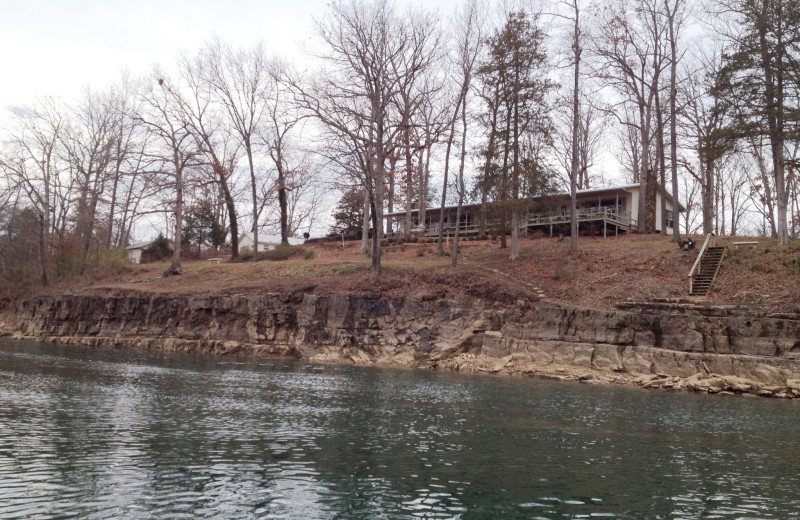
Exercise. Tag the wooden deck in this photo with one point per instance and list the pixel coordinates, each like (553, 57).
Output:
(618, 220)
(610, 219)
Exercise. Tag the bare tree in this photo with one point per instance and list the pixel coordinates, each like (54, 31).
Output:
(31, 162)
(422, 48)
(431, 126)
(706, 116)
(364, 66)
(305, 193)
(629, 62)
(243, 83)
(164, 117)
(469, 26)
(575, 137)
(89, 143)
(675, 12)
(217, 137)
(129, 167)
(280, 120)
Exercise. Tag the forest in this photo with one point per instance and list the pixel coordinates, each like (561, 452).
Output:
(408, 109)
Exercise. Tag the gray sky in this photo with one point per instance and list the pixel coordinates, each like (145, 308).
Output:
(56, 47)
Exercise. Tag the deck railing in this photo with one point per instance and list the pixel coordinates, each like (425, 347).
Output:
(584, 214)
(612, 215)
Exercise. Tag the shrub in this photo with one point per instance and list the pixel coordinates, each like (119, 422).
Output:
(309, 253)
(280, 253)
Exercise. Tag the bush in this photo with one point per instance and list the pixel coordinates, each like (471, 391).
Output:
(309, 253)
(280, 253)
(95, 263)
(158, 250)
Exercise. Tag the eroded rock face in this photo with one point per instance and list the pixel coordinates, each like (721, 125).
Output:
(642, 346)
(360, 329)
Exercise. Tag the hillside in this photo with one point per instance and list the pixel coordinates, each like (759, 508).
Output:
(603, 273)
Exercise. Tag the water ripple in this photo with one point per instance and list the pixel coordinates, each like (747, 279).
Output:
(96, 434)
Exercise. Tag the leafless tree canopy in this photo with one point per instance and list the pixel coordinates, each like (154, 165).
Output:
(405, 108)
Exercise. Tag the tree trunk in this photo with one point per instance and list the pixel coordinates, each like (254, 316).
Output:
(409, 184)
(774, 96)
(504, 180)
(113, 203)
(283, 206)
(365, 225)
(175, 266)
(233, 221)
(392, 170)
(423, 183)
(576, 110)
(43, 240)
(673, 127)
(249, 151)
(439, 249)
(488, 165)
(377, 232)
(462, 160)
(662, 165)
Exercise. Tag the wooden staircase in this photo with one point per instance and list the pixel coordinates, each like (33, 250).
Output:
(705, 268)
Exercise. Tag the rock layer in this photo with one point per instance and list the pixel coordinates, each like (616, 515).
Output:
(693, 348)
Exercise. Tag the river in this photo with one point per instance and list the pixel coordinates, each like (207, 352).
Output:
(88, 433)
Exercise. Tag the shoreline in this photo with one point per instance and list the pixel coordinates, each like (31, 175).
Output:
(641, 348)
(469, 364)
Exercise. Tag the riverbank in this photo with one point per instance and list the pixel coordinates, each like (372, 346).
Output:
(604, 273)
(669, 344)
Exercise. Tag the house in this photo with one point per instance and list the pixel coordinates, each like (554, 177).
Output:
(265, 242)
(146, 252)
(600, 210)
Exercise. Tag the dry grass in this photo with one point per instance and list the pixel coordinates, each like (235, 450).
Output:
(602, 273)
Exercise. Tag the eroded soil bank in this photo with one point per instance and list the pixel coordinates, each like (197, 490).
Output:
(670, 345)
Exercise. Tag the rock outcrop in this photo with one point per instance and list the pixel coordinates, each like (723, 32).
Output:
(691, 348)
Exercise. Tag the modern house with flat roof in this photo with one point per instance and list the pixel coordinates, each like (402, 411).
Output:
(604, 211)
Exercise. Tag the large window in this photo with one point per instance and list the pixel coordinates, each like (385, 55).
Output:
(670, 219)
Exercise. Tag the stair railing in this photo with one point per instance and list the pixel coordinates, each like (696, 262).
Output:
(708, 242)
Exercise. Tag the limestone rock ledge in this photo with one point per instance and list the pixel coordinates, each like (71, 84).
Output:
(715, 353)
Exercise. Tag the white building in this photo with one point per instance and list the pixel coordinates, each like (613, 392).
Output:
(135, 253)
(265, 242)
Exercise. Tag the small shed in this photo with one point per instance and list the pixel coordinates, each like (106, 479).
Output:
(265, 242)
(149, 251)
(135, 252)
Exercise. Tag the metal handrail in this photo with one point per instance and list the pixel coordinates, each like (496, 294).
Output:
(706, 243)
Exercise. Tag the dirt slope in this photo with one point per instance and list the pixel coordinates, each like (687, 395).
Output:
(602, 273)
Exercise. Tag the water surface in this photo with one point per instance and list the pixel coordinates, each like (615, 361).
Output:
(106, 434)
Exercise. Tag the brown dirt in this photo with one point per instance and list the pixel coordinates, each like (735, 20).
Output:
(602, 273)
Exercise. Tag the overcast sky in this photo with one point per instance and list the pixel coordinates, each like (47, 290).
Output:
(57, 47)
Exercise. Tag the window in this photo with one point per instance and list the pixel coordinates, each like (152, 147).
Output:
(670, 219)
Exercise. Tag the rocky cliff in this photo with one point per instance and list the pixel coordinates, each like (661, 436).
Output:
(674, 346)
